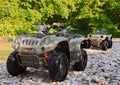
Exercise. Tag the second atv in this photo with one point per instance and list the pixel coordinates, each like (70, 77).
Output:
(99, 39)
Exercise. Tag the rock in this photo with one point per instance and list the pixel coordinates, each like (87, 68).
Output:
(106, 75)
(119, 83)
(86, 79)
(67, 81)
(101, 83)
(35, 79)
(44, 83)
(74, 83)
(96, 80)
(117, 78)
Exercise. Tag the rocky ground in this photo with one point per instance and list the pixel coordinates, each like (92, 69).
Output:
(103, 68)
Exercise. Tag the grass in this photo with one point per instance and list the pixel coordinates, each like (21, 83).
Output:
(5, 49)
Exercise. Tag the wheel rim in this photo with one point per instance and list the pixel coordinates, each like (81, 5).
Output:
(106, 45)
(62, 64)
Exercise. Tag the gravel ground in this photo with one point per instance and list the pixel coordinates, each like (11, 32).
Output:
(103, 68)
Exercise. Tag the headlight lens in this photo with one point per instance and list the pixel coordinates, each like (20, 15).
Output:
(17, 40)
(101, 36)
(47, 40)
(90, 35)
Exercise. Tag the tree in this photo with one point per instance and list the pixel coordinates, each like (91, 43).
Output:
(18, 16)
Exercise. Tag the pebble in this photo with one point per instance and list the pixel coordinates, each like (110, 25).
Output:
(103, 68)
(96, 80)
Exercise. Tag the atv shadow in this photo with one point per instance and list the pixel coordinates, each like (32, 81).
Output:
(36, 75)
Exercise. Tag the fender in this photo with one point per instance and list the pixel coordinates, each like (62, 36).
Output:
(75, 49)
(55, 41)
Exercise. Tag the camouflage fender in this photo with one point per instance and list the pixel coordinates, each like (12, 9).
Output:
(75, 48)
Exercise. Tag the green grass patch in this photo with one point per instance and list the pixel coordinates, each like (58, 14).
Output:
(5, 50)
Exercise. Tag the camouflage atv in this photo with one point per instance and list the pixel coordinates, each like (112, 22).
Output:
(99, 39)
(54, 52)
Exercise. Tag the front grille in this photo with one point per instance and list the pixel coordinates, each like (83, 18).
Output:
(94, 40)
(30, 42)
(31, 60)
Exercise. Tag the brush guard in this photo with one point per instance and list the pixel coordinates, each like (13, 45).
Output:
(30, 60)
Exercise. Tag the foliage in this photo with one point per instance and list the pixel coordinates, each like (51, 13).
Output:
(5, 49)
(17, 16)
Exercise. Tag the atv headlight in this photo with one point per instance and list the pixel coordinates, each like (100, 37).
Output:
(90, 35)
(47, 40)
(17, 40)
(101, 36)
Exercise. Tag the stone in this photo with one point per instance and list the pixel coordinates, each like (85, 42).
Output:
(95, 80)
(119, 83)
(86, 79)
(67, 81)
(106, 75)
(35, 79)
(74, 83)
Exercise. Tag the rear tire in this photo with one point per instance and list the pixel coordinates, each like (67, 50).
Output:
(13, 67)
(58, 67)
(82, 63)
(104, 45)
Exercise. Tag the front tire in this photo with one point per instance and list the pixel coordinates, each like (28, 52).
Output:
(58, 66)
(84, 44)
(88, 43)
(110, 44)
(13, 67)
(82, 63)
(104, 45)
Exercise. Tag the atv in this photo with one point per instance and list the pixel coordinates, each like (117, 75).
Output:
(55, 52)
(99, 39)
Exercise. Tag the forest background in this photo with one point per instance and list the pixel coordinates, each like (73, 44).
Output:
(17, 16)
